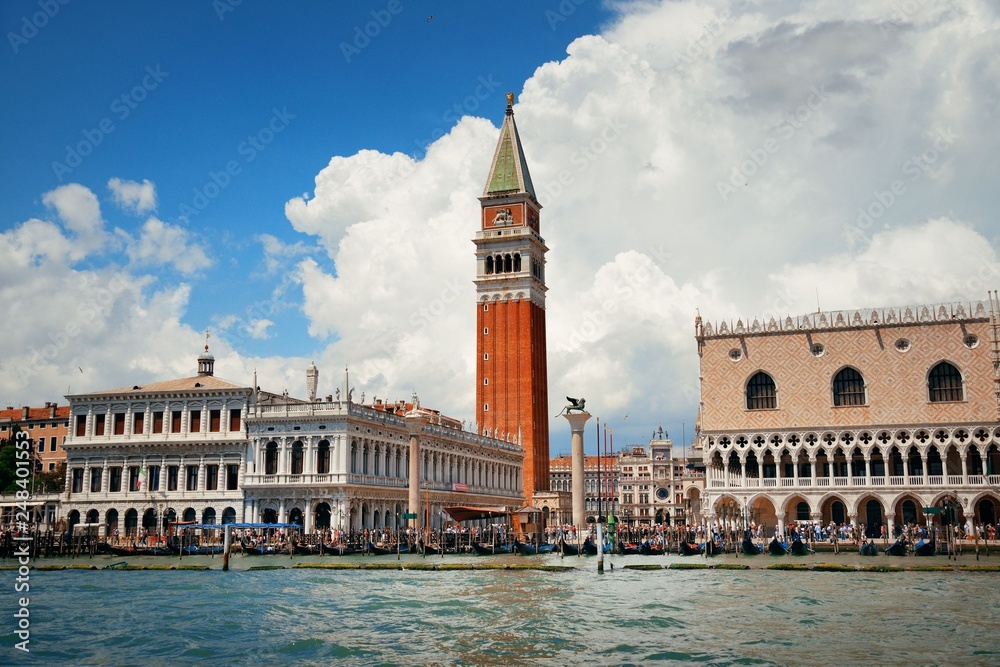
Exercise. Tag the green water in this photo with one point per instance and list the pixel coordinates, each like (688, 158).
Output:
(623, 617)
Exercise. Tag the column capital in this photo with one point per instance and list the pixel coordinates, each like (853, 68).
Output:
(577, 420)
(415, 422)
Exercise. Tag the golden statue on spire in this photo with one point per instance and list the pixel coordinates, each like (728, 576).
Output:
(510, 99)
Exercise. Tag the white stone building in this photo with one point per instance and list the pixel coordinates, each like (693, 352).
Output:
(340, 464)
(139, 457)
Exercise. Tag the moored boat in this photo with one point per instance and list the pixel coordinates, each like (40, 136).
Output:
(924, 548)
(628, 549)
(777, 548)
(868, 549)
(130, 551)
(711, 548)
(650, 549)
(799, 548)
(376, 550)
(897, 549)
(749, 548)
(202, 549)
(568, 549)
(490, 549)
(308, 549)
(339, 549)
(690, 549)
(526, 549)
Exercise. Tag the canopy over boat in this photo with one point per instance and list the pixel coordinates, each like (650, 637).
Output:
(467, 513)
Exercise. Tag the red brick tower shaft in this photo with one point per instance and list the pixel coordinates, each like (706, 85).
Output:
(511, 370)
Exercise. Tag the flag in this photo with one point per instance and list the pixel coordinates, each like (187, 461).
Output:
(143, 474)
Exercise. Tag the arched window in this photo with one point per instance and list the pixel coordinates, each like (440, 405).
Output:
(508, 263)
(848, 387)
(802, 511)
(297, 458)
(517, 262)
(271, 458)
(944, 383)
(761, 392)
(489, 264)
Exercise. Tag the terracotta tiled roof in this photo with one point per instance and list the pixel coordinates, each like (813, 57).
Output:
(17, 414)
(566, 462)
(198, 382)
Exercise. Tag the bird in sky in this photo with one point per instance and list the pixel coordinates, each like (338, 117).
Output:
(430, 18)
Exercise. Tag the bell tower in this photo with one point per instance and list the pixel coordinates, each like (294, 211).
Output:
(511, 368)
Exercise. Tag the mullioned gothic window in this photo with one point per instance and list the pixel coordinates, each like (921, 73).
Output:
(849, 388)
(944, 384)
(761, 392)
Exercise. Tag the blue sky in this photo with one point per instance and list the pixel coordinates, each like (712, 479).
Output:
(309, 192)
(223, 68)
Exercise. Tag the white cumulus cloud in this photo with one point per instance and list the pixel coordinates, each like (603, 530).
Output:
(133, 196)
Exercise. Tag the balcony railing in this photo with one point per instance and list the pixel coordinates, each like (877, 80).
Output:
(939, 481)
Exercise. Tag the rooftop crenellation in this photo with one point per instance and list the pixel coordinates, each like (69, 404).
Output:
(848, 319)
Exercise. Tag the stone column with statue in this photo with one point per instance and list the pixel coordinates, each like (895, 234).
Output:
(577, 418)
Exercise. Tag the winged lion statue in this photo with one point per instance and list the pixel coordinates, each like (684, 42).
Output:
(575, 404)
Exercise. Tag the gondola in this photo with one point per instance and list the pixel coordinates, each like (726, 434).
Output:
(385, 551)
(749, 548)
(868, 549)
(924, 548)
(628, 549)
(711, 548)
(690, 549)
(308, 549)
(433, 549)
(261, 550)
(897, 549)
(649, 549)
(130, 551)
(531, 550)
(799, 548)
(202, 549)
(590, 547)
(569, 549)
(490, 549)
(776, 548)
(339, 549)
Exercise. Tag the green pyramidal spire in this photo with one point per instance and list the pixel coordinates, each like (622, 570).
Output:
(509, 172)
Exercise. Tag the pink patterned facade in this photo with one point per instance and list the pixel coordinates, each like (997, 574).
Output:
(863, 416)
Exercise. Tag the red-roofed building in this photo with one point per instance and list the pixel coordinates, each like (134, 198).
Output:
(46, 426)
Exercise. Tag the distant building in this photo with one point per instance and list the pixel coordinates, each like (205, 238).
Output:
(656, 488)
(598, 483)
(858, 416)
(46, 426)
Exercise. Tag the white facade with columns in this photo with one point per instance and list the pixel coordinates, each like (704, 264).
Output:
(343, 465)
(172, 450)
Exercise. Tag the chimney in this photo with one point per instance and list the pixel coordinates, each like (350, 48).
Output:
(52, 410)
(25, 413)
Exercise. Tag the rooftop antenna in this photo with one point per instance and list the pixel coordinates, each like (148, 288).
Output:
(818, 309)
